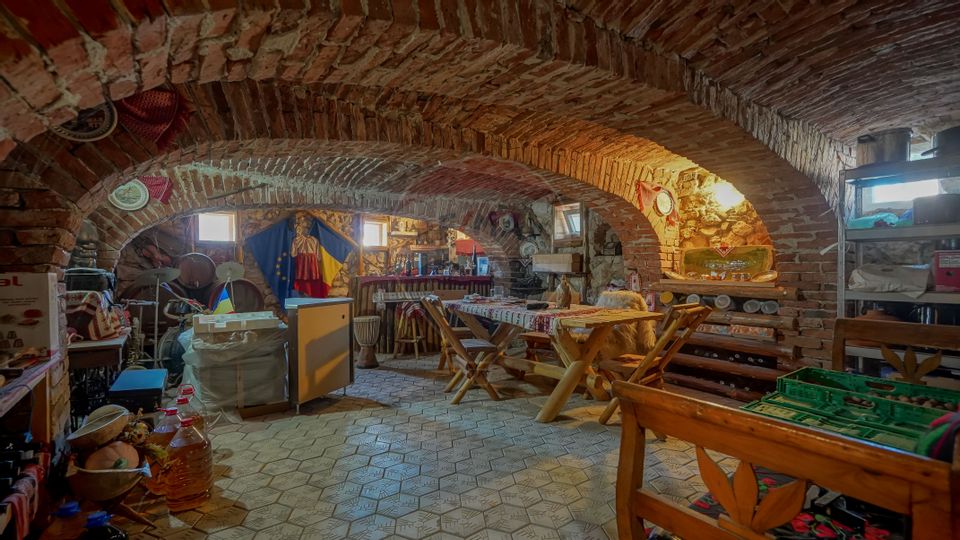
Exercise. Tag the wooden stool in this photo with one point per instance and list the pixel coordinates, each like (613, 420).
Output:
(409, 328)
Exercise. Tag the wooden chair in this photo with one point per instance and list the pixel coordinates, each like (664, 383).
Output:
(462, 332)
(469, 354)
(925, 489)
(678, 324)
(540, 341)
(886, 334)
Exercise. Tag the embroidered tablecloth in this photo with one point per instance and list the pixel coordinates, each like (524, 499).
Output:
(543, 320)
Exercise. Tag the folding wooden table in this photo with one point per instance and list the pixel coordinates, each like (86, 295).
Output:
(577, 358)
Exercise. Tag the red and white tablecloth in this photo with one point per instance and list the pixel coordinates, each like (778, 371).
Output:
(542, 320)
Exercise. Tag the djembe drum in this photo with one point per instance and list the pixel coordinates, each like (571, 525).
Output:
(366, 329)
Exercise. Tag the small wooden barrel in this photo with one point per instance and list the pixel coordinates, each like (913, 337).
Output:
(246, 296)
(196, 270)
(366, 330)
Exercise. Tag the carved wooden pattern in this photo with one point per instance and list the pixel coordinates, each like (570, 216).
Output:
(739, 499)
(908, 367)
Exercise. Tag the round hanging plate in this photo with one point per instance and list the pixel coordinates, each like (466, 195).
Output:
(229, 270)
(131, 196)
(664, 203)
(506, 222)
(90, 124)
(528, 249)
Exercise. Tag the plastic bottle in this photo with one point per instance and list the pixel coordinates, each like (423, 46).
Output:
(161, 436)
(186, 410)
(67, 523)
(190, 476)
(99, 528)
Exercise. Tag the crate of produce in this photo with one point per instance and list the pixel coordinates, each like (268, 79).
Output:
(770, 406)
(901, 391)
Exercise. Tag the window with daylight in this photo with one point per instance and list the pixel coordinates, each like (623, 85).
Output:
(566, 223)
(374, 233)
(905, 192)
(217, 227)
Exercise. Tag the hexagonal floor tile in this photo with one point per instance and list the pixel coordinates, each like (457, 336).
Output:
(462, 521)
(283, 531)
(419, 524)
(506, 518)
(549, 514)
(480, 498)
(536, 532)
(398, 505)
(355, 508)
(327, 529)
(419, 485)
(379, 489)
(458, 483)
(372, 527)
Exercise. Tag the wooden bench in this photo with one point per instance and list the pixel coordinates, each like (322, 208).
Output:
(923, 488)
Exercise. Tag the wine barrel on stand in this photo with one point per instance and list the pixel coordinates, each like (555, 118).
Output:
(197, 274)
(245, 295)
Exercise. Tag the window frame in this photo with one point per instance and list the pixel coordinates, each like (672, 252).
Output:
(563, 215)
(233, 220)
(384, 227)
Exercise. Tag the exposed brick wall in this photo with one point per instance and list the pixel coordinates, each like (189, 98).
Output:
(541, 85)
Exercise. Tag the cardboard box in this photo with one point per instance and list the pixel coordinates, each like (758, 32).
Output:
(235, 322)
(29, 313)
(558, 263)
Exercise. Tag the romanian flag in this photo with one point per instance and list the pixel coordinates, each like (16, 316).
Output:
(224, 303)
(334, 250)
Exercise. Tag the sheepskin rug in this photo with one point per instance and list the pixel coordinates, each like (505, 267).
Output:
(636, 338)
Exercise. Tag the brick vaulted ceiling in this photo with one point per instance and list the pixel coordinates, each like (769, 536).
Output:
(586, 97)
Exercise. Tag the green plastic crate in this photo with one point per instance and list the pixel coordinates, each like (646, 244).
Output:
(888, 388)
(891, 419)
(822, 388)
(891, 438)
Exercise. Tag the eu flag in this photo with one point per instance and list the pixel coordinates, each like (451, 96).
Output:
(271, 249)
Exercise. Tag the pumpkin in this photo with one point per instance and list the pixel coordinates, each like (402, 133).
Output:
(116, 455)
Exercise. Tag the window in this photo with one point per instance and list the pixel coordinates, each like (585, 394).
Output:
(217, 227)
(374, 233)
(566, 223)
(904, 192)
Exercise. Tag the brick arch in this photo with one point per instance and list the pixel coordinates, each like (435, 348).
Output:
(454, 188)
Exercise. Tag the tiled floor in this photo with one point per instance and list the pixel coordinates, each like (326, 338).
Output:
(394, 459)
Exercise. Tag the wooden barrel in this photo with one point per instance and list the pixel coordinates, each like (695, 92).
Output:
(245, 295)
(148, 292)
(196, 270)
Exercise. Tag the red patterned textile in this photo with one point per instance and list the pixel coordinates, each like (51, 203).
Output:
(158, 115)
(159, 187)
(309, 279)
(545, 320)
(411, 310)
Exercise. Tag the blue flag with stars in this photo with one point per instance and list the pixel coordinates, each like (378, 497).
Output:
(271, 250)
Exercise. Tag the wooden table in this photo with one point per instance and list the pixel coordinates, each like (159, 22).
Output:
(577, 357)
(94, 365)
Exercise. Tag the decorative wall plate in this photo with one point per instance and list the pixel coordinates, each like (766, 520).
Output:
(131, 196)
(506, 222)
(90, 124)
(528, 249)
(664, 203)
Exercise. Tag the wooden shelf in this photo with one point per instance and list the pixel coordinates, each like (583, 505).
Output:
(742, 291)
(947, 361)
(904, 234)
(930, 297)
(903, 171)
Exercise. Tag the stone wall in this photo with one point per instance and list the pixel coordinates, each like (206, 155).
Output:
(704, 222)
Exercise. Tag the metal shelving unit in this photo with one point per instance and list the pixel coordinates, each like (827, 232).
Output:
(878, 174)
